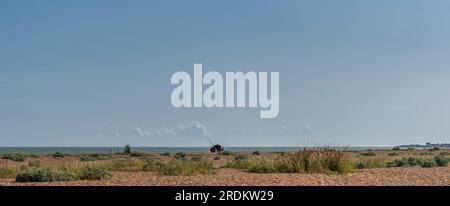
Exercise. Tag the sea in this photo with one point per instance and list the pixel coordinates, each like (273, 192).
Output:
(111, 150)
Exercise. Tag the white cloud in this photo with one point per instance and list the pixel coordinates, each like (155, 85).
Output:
(95, 134)
(142, 133)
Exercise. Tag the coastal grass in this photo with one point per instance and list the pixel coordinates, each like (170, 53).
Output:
(177, 167)
(7, 173)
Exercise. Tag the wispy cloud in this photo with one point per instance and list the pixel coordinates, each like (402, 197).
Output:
(95, 134)
(142, 133)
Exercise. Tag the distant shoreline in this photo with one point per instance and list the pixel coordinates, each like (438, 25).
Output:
(79, 150)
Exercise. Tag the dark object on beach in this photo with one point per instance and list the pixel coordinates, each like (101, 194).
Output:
(216, 148)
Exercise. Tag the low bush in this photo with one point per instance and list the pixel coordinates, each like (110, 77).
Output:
(370, 154)
(428, 163)
(393, 154)
(137, 154)
(184, 168)
(165, 154)
(58, 155)
(127, 149)
(362, 165)
(44, 175)
(95, 173)
(6, 173)
(217, 158)
(35, 163)
(240, 157)
(256, 153)
(441, 160)
(396, 149)
(225, 153)
(18, 157)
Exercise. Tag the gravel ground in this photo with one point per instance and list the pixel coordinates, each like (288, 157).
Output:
(382, 176)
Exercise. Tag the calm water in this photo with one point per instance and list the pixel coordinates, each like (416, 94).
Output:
(80, 150)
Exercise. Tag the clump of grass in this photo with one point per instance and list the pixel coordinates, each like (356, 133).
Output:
(137, 154)
(425, 153)
(124, 164)
(391, 154)
(6, 173)
(396, 149)
(180, 155)
(240, 157)
(405, 162)
(165, 154)
(18, 157)
(151, 166)
(256, 153)
(362, 165)
(88, 158)
(428, 163)
(368, 154)
(196, 158)
(225, 153)
(95, 173)
(441, 160)
(40, 174)
(308, 160)
(217, 158)
(184, 168)
(58, 155)
(35, 163)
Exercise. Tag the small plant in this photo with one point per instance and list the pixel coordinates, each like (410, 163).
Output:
(217, 158)
(180, 155)
(137, 154)
(392, 154)
(396, 149)
(256, 153)
(370, 154)
(18, 157)
(362, 165)
(95, 173)
(127, 149)
(165, 154)
(6, 173)
(34, 163)
(44, 175)
(410, 149)
(151, 166)
(441, 161)
(196, 158)
(58, 155)
(225, 153)
(263, 167)
(240, 157)
(428, 163)
(177, 168)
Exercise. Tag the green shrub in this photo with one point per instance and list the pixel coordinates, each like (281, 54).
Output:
(180, 155)
(240, 157)
(370, 154)
(95, 173)
(34, 163)
(196, 158)
(393, 154)
(151, 166)
(256, 153)
(441, 161)
(58, 155)
(137, 154)
(6, 173)
(87, 158)
(412, 161)
(44, 175)
(165, 154)
(396, 149)
(127, 149)
(428, 163)
(225, 153)
(178, 167)
(263, 167)
(18, 157)
(362, 165)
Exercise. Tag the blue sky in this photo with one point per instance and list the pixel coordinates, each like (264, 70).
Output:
(97, 73)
